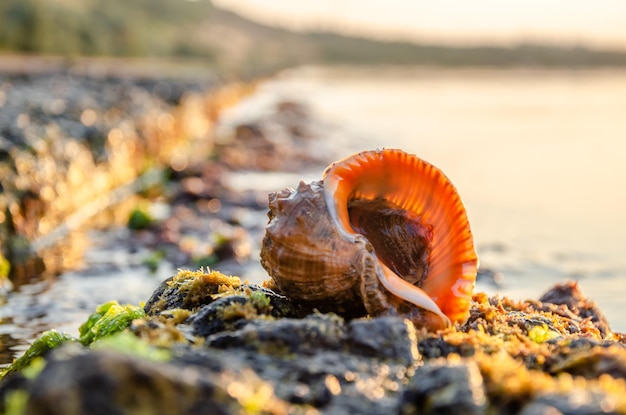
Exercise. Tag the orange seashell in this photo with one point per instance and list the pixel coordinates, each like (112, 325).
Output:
(419, 187)
(384, 227)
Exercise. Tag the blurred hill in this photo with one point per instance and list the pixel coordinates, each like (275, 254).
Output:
(196, 29)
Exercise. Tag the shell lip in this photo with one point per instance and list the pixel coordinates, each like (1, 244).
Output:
(411, 293)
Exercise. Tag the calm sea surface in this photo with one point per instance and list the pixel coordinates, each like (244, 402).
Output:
(539, 158)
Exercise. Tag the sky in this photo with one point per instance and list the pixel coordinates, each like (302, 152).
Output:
(570, 22)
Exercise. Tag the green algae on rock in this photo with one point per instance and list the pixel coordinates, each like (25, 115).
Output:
(129, 344)
(109, 318)
(45, 343)
(140, 218)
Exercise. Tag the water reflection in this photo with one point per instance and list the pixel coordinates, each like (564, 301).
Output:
(64, 302)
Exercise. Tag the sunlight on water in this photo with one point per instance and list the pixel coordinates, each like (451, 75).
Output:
(538, 157)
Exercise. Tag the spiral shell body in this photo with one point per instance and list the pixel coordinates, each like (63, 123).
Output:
(383, 228)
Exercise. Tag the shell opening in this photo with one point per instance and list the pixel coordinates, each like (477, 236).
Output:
(402, 240)
(420, 188)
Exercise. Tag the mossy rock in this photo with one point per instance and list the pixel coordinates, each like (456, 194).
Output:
(208, 343)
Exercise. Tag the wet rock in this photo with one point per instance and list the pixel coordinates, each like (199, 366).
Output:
(61, 129)
(578, 402)
(100, 382)
(189, 290)
(285, 336)
(570, 295)
(315, 391)
(384, 337)
(234, 311)
(537, 408)
(315, 361)
(210, 319)
(433, 347)
(445, 387)
(592, 362)
(217, 302)
(230, 344)
(280, 141)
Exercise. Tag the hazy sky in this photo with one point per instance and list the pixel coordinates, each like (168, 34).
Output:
(600, 23)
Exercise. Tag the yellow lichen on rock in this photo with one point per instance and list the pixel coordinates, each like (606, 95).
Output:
(195, 280)
(191, 289)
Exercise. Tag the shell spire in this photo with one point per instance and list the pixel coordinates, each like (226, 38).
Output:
(417, 186)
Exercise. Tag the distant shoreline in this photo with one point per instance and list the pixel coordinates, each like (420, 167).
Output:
(199, 69)
(101, 67)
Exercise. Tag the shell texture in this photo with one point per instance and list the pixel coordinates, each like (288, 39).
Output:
(383, 226)
(299, 247)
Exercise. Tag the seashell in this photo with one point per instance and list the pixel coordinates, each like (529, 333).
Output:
(384, 231)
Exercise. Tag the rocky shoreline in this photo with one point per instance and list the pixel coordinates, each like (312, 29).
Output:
(210, 343)
(76, 140)
(138, 158)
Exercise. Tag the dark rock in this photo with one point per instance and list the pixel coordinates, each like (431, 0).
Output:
(11, 383)
(195, 290)
(384, 337)
(316, 390)
(210, 318)
(537, 408)
(234, 346)
(189, 291)
(173, 297)
(234, 311)
(592, 362)
(99, 382)
(302, 336)
(578, 402)
(433, 347)
(444, 387)
(569, 294)
(319, 360)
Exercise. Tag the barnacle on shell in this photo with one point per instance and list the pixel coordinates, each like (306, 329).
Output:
(382, 228)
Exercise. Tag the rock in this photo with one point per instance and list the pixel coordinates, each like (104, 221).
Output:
(285, 336)
(445, 387)
(210, 319)
(60, 129)
(592, 362)
(384, 337)
(577, 402)
(189, 290)
(569, 294)
(536, 408)
(211, 344)
(236, 310)
(101, 382)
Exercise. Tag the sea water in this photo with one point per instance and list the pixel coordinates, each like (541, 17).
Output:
(538, 156)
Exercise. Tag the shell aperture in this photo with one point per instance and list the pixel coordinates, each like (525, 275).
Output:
(418, 187)
(401, 239)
